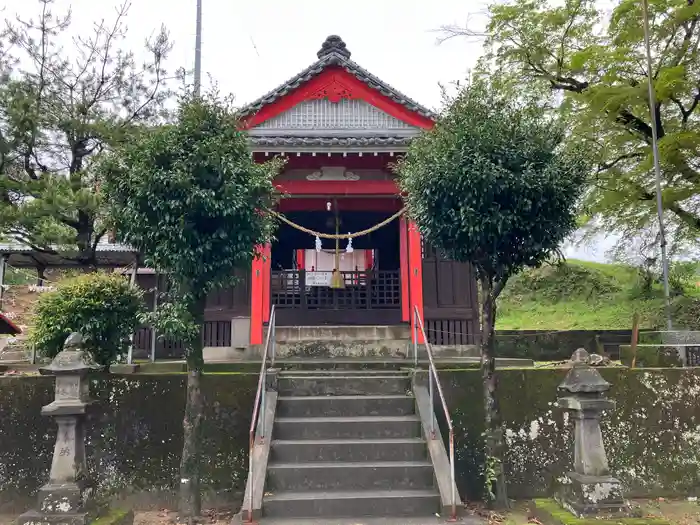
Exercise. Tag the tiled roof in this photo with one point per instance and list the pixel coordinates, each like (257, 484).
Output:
(334, 53)
(106, 254)
(100, 247)
(329, 141)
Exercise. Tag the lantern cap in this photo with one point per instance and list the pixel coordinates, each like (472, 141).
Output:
(582, 378)
(72, 359)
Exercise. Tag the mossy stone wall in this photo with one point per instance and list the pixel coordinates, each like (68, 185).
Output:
(135, 433)
(652, 436)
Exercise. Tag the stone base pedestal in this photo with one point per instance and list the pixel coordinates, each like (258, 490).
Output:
(34, 517)
(593, 496)
(60, 504)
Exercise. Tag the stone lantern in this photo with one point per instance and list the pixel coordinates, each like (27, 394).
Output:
(64, 499)
(590, 490)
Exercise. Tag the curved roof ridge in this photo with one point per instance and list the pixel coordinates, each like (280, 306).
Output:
(334, 52)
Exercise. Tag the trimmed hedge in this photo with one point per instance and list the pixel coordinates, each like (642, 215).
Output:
(135, 435)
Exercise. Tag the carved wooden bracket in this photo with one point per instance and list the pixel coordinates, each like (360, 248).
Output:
(333, 91)
(333, 173)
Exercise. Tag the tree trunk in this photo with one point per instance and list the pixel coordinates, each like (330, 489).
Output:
(40, 274)
(190, 504)
(495, 477)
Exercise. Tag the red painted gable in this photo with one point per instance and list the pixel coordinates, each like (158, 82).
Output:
(335, 84)
(7, 326)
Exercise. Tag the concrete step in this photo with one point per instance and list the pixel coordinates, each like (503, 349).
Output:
(345, 373)
(345, 406)
(406, 520)
(379, 475)
(14, 356)
(320, 364)
(343, 385)
(347, 427)
(348, 333)
(364, 503)
(358, 348)
(386, 363)
(345, 450)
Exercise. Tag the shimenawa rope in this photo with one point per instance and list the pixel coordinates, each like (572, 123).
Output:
(340, 235)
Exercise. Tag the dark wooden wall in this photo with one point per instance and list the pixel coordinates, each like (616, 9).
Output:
(450, 300)
(222, 305)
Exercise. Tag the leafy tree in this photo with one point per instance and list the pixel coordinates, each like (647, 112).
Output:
(104, 308)
(58, 109)
(594, 60)
(191, 199)
(492, 186)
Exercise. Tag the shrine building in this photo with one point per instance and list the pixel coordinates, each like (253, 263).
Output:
(340, 129)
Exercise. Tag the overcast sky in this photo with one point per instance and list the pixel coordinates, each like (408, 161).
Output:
(249, 48)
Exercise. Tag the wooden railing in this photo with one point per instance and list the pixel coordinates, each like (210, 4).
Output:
(372, 289)
(450, 332)
(214, 333)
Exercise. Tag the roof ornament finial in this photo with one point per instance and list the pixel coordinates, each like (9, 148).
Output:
(333, 44)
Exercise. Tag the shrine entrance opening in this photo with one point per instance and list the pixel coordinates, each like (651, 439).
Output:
(368, 289)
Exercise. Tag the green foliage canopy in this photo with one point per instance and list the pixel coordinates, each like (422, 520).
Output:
(104, 308)
(191, 199)
(491, 184)
(595, 61)
(59, 108)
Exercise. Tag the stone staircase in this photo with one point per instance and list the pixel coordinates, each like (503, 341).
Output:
(348, 444)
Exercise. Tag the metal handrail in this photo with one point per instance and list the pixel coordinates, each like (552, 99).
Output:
(434, 381)
(258, 420)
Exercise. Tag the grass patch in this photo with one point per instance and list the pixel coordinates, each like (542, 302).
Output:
(580, 295)
(552, 513)
(115, 517)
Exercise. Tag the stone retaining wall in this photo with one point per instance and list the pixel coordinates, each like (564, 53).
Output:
(135, 436)
(547, 345)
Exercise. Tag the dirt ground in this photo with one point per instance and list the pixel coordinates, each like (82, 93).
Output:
(162, 517)
(166, 517)
(678, 512)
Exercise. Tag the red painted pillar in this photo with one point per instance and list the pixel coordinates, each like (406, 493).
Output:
(403, 258)
(256, 298)
(267, 276)
(301, 259)
(415, 266)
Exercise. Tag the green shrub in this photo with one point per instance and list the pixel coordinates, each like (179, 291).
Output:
(685, 312)
(682, 277)
(104, 308)
(561, 282)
